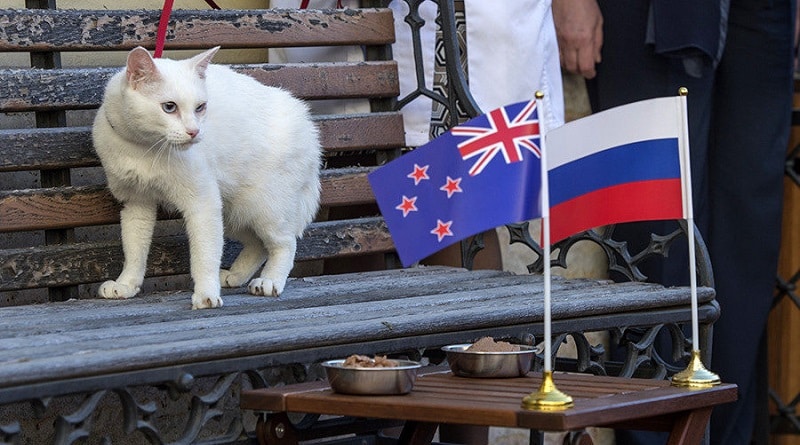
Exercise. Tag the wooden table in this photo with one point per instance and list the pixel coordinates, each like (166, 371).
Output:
(440, 397)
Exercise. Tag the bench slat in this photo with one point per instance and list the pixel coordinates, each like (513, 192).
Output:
(61, 208)
(408, 297)
(50, 148)
(334, 80)
(46, 148)
(84, 30)
(373, 131)
(305, 292)
(80, 206)
(82, 88)
(71, 264)
(108, 336)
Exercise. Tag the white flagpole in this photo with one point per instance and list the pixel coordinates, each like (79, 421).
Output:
(695, 375)
(548, 398)
(546, 253)
(687, 191)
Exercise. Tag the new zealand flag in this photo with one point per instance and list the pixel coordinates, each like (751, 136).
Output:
(477, 176)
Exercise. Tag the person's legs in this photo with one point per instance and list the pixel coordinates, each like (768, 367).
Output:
(631, 71)
(752, 112)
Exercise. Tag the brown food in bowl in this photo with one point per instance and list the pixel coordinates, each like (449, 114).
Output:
(488, 344)
(362, 361)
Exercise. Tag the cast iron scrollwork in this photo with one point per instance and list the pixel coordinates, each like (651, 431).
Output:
(9, 433)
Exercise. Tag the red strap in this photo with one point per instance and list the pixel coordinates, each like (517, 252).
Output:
(166, 11)
(161, 35)
(304, 4)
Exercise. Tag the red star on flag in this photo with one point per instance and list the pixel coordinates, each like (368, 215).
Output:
(408, 205)
(419, 174)
(442, 229)
(452, 186)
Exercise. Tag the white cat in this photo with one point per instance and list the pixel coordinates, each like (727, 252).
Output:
(226, 151)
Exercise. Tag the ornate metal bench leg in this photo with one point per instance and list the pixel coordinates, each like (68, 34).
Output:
(578, 438)
(276, 429)
(537, 438)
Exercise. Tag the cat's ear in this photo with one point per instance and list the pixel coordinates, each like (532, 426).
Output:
(140, 67)
(202, 60)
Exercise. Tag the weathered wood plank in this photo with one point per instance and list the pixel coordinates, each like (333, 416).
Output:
(90, 322)
(82, 30)
(401, 307)
(49, 148)
(69, 264)
(91, 325)
(82, 88)
(108, 336)
(340, 80)
(57, 208)
(373, 131)
(306, 292)
(69, 207)
(333, 239)
(46, 148)
(349, 186)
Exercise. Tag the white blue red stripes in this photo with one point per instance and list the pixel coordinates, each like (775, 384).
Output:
(620, 165)
(637, 161)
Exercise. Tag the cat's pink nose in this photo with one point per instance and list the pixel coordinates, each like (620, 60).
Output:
(193, 133)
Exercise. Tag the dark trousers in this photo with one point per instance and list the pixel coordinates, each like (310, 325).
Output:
(739, 121)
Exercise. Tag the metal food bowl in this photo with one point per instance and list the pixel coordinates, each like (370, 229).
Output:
(371, 381)
(489, 364)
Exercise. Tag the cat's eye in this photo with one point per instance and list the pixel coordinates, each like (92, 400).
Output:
(169, 107)
(200, 108)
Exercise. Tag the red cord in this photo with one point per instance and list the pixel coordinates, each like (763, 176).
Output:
(161, 35)
(304, 4)
(162, 28)
(166, 11)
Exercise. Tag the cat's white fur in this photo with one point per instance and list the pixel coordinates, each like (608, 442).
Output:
(227, 152)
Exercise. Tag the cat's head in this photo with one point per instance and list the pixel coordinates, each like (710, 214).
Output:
(167, 98)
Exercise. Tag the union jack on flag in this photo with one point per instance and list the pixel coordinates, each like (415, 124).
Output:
(502, 135)
(449, 189)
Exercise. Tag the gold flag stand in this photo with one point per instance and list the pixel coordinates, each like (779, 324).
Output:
(695, 375)
(548, 398)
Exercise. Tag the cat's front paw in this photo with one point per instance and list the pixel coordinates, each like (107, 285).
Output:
(114, 290)
(266, 287)
(204, 301)
(229, 279)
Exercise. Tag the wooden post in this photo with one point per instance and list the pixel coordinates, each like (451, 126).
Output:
(784, 321)
(57, 177)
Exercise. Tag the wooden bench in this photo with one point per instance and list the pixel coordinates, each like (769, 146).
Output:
(149, 368)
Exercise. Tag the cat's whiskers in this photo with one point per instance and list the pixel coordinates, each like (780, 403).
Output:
(153, 145)
(170, 147)
(160, 146)
(176, 149)
(179, 152)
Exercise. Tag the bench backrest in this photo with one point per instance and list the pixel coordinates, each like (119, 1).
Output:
(59, 234)
(56, 216)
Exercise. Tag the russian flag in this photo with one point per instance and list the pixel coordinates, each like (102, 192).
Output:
(624, 164)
